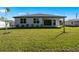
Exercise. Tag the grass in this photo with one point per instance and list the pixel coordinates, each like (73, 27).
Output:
(36, 40)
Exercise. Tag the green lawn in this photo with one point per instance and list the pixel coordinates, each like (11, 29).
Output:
(40, 40)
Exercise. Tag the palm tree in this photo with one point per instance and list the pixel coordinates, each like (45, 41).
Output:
(2, 18)
(6, 12)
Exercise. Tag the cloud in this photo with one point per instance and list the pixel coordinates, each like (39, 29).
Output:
(24, 13)
(2, 10)
(21, 13)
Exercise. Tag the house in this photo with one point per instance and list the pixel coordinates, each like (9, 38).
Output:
(3, 24)
(72, 22)
(12, 23)
(38, 20)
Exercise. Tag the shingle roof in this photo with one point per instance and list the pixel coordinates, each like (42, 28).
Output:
(40, 15)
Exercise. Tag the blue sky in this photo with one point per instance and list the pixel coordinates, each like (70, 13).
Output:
(70, 12)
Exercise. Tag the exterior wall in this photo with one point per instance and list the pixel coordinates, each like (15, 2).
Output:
(38, 24)
(2, 24)
(72, 23)
(76, 23)
(68, 23)
(12, 24)
(57, 22)
(17, 21)
(29, 21)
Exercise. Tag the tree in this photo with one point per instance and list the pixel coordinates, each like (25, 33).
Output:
(64, 25)
(2, 18)
(6, 12)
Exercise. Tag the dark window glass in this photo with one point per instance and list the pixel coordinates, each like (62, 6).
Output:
(60, 22)
(71, 22)
(36, 20)
(23, 20)
(54, 22)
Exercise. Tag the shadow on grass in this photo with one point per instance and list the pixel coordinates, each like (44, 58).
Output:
(59, 35)
(6, 33)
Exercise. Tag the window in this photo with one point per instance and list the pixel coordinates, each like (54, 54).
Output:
(36, 20)
(22, 20)
(60, 22)
(54, 22)
(71, 22)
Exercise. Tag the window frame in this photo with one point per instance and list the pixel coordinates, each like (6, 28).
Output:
(23, 20)
(54, 22)
(71, 22)
(36, 20)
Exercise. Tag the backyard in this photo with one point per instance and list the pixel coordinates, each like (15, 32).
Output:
(36, 40)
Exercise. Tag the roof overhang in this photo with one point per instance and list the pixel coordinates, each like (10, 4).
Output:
(40, 17)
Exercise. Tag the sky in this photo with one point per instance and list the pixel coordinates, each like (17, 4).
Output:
(70, 12)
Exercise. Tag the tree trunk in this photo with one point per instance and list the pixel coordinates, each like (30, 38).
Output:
(64, 25)
(6, 22)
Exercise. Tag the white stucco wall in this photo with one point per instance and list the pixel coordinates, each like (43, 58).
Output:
(69, 23)
(2, 24)
(30, 22)
(38, 24)
(17, 21)
(57, 22)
